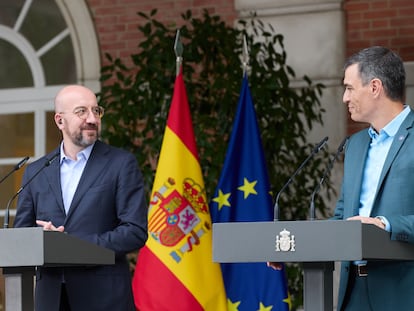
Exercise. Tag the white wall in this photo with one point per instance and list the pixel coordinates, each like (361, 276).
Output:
(313, 49)
(409, 68)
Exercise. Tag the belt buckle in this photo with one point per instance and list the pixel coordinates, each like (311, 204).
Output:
(362, 270)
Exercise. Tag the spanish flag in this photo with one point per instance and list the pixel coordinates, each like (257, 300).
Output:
(175, 270)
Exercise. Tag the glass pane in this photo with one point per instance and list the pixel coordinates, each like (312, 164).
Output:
(9, 11)
(17, 135)
(53, 136)
(15, 71)
(43, 22)
(9, 187)
(59, 63)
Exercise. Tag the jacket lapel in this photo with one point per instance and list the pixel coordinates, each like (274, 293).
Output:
(398, 141)
(358, 154)
(53, 176)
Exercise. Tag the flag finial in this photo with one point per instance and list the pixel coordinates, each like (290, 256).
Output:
(245, 56)
(178, 48)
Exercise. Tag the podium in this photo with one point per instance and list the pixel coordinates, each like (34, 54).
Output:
(23, 249)
(315, 244)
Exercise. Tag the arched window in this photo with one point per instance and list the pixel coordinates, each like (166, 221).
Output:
(44, 44)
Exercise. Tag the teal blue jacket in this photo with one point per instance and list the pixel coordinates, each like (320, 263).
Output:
(390, 284)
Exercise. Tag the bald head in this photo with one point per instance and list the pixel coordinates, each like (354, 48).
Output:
(73, 95)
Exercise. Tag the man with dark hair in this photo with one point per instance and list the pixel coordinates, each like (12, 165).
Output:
(378, 178)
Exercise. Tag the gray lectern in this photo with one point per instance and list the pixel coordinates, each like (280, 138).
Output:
(22, 249)
(316, 244)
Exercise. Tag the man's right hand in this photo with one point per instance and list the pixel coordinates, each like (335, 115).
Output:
(48, 226)
(275, 265)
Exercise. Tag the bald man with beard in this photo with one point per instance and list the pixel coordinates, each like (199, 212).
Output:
(94, 192)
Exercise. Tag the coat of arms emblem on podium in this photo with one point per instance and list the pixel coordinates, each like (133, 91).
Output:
(285, 242)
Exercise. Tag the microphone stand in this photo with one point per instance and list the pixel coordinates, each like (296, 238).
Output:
(315, 150)
(7, 212)
(322, 180)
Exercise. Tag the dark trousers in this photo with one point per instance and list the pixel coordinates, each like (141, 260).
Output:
(356, 296)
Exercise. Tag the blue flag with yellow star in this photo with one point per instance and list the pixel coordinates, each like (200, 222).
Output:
(243, 194)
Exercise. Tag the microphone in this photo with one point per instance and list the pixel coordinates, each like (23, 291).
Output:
(325, 174)
(15, 168)
(7, 212)
(315, 150)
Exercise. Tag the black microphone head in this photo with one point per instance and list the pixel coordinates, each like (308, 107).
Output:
(320, 145)
(21, 163)
(48, 162)
(341, 147)
(15, 168)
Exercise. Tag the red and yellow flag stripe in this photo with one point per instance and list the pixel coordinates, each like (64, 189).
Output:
(175, 270)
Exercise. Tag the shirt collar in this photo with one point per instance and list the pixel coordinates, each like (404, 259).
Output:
(84, 153)
(392, 127)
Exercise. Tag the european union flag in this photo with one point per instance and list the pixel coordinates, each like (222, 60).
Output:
(243, 194)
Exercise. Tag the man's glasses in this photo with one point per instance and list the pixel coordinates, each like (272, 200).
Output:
(83, 112)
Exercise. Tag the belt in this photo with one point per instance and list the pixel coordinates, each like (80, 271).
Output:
(360, 270)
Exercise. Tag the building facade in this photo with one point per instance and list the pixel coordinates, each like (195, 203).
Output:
(45, 44)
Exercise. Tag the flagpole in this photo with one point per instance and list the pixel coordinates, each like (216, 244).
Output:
(178, 49)
(245, 56)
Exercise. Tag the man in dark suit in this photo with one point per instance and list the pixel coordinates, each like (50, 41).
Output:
(94, 192)
(378, 179)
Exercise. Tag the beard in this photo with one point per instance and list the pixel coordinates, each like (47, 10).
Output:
(84, 140)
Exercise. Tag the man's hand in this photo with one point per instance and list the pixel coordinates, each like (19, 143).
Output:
(369, 220)
(48, 226)
(275, 265)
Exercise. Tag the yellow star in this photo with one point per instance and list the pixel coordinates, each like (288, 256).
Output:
(232, 306)
(262, 307)
(288, 300)
(222, 199)
(248, 187)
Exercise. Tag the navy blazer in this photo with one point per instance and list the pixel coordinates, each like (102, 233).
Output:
(108, 209)
(390, 284)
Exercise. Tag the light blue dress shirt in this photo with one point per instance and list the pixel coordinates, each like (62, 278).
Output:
(377, 153)
(71, 172)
